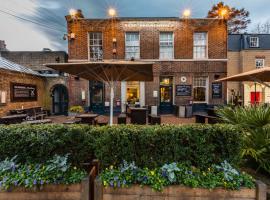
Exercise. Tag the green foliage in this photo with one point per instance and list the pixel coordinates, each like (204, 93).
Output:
(148, 146)
(55, 171)
(42, 142)
(256, 123)
(76, 109)
(152, 146)
(223, 175)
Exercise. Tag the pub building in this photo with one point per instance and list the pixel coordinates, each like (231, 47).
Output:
(188, 55)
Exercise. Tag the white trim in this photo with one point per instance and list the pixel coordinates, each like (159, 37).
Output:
(142, 94)
(157, 60)
(123, 95)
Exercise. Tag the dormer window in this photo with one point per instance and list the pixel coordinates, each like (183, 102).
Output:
(254, 42)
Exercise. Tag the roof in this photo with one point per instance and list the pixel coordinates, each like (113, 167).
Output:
(8, 65)
(238, 42)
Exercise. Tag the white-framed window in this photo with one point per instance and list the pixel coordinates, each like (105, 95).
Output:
(132, 43)
(259, 63)
(95, 46)
(166, 45)
(200, 45)
(254, 42)
(200, 89)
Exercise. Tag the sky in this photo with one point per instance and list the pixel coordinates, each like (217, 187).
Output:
(31, 25)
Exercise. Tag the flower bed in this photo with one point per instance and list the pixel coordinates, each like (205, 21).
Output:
(54, 179)
(176, 181)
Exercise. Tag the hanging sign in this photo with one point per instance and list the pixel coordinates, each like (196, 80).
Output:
(216, 90)
(183, 90)
(23, 92)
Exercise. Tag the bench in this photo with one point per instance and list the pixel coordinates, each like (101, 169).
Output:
(154, 119)
(122, 118)
(44, 121)
(201, 118)
(74, 121)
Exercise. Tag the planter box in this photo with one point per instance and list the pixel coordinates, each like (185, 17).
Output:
(177, 193)
(50, 192)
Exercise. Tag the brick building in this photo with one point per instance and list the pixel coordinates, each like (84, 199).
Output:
(189, 54)
(247, 52)
(57, 96)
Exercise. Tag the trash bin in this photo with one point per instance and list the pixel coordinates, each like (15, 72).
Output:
(185, 111)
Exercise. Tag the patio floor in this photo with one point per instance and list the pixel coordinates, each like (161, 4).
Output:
(165, 119)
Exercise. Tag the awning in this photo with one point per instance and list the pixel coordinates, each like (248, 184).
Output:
(108, 70)
(257, 75)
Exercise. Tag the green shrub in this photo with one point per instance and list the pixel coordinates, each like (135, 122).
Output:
(152, 146)
(40, 143)
(149, 146)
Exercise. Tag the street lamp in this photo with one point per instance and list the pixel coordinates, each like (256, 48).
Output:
(186, 13)
(112, 12)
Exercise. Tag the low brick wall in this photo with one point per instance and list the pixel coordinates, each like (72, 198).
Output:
(50, 192)
(178, 193)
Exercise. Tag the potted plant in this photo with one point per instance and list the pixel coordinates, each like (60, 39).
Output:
(75, 110)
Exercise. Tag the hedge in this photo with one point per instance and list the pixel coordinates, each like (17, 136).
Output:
(148, 146)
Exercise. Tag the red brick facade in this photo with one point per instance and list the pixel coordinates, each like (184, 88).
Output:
(183, 64)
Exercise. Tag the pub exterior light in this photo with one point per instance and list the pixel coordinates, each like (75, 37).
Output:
(72, 12)
(112, 12)
(223, 12)
(186, 13)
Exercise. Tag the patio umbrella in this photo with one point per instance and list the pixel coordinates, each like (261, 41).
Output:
(109, 72)
(258, 75)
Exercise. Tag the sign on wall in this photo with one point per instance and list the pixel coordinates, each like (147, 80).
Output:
(23, 92)
(216, 90)
(183, 90)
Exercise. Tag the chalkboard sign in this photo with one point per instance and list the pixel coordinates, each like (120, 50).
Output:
(216, 90)
(23, 92)
(183, 90)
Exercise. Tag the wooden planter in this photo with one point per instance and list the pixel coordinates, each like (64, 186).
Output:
(178, 193)
(50, 192)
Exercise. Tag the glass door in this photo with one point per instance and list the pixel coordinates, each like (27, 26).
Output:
(166, 95)
(96, 97)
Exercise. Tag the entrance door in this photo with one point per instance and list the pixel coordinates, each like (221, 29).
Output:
(60, 100)
(96, 97)
(166, 95)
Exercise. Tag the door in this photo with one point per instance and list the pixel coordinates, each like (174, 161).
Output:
(60, 100)
(166, 95)
(96, 97)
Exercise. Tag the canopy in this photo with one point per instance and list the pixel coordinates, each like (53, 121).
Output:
(257, 75)
(108, 71)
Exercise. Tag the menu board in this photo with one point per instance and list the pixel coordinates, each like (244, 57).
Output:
(23, 92)
(216, 90)
(183, 90)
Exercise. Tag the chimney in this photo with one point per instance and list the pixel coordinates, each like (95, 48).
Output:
(74, 14)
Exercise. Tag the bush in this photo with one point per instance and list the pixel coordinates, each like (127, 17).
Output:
(39, 143)
(152, 146)
(149, 146)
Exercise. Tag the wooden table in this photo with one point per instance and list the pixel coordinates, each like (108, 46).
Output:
(13, 119)
(44, 121)
(87, 118)
(138, 115)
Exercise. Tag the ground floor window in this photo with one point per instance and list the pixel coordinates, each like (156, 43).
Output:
(200, 89)
(133, 92)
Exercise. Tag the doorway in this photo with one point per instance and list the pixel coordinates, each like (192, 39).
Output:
(60, 100)
(166, 95)
(96, 96)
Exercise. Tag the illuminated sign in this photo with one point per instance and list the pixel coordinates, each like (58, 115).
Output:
(153, 24)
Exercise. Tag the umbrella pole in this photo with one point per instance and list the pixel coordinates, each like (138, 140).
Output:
(111, 104)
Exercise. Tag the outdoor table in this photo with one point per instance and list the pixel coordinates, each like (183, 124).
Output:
(154, 119)
(13, 119)
(138, 115)
(87, 118)
(211, 111)
(44, 121)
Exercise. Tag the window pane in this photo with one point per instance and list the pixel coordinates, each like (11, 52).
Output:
(96, 52)
(166, 45)
(132, 45)
(200, 45)
(199, 94)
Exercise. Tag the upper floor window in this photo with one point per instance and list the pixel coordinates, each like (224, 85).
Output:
(259, 63)
(200, 45)
(95, 46)
(166, 45)
(254, 42)
(132, 45)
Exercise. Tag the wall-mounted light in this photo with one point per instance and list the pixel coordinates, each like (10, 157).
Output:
(112, 12)
(70, 36)
(114, 51)
(186, 13)
(3, 97)
(114, 40)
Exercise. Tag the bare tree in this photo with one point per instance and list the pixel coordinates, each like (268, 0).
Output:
(262, 28)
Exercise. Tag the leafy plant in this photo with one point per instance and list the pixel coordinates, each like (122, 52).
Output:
(223, 175)
(34, 175)
(255, 121)
(76, 109)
